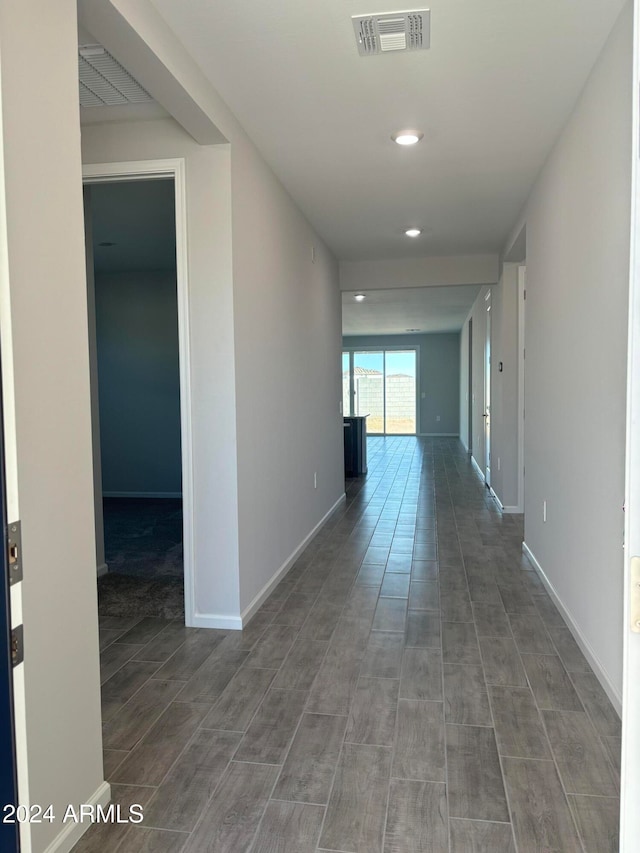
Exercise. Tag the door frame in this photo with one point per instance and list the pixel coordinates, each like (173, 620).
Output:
(522, 302)
(630, 775)
(470, 391)
(487, 389)
(144, 170)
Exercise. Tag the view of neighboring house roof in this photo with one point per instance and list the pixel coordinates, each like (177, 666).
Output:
(367, 371)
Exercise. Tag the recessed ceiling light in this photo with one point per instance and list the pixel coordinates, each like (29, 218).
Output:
(413, 232)
(407, 137)
(359, 297)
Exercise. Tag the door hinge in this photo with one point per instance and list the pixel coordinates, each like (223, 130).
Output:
(14, 552)
(525, 295)
(17, 645)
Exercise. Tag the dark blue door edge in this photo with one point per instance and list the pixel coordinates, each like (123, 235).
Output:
(9, 837)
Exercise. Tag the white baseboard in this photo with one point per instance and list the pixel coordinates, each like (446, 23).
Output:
(72, 832)
(506, 510)
(216, 620)
(581, 640)
(142, 494)
(479, 470)
(102, 569)
(268, 588)
(496, 498)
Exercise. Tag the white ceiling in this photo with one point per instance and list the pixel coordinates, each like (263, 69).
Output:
(394, 312)
(491, 96)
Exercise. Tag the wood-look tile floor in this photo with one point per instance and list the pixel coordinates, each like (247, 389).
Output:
(409, 686)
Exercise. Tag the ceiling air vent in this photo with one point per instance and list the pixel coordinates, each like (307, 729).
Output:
(104, 82)
(392, 31)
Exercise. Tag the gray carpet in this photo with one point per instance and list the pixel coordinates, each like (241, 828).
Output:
(121, 595)
(143, 537)
(143, 549)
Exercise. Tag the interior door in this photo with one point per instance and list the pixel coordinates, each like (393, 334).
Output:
(9, 841)
(487, 397)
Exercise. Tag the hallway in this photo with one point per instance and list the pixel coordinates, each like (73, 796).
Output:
(409, 686)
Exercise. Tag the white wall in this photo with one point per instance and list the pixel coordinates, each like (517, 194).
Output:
(438, 373)
(139, 382)
(418, 272)
(46, 392)
(577, 222)
(287, 313)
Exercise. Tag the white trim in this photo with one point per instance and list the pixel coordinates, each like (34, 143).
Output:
(103, 569)
(505, 510)
(479, 470)
(145, 170)
(522, 284)
(581, 640)
(216, 620)
(72, 832)
(142, 495)
(440, 434)
(267, 589)
(488, 387)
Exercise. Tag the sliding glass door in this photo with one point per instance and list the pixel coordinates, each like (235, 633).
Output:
(382, 384)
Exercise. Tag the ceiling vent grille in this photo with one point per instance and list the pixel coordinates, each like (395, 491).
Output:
(104, 82)
(392, 31)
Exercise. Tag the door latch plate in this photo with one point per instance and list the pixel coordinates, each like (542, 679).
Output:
(14, 552)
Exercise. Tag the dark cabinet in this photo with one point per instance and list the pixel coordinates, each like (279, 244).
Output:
(355, 445)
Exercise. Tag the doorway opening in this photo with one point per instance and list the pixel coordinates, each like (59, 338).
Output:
(140, 392)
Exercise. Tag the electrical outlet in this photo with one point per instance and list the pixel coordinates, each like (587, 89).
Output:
(315, 479)
(544, 510)
(437, 417)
